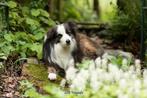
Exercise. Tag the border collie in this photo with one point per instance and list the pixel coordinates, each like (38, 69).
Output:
(60, 49)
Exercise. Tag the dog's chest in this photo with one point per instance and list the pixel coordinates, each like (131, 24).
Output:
(63, 58)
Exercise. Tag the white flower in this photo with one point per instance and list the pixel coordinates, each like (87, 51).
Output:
(145, 78)
(137, 63)
(127, 82)
(122, 96)
(62, 83)
(145, 73)
(137, 84)
(95, 85)
(98, 62)
(93, 76)
(131, 69)
(104, 63)
(71, 73)
(107, 77)
(124, 62)
(84, 74)
(145, 83)
(127, 75)
(91, 66)
(113, 68)
(123, 84)
(117, 76)
(79, 82)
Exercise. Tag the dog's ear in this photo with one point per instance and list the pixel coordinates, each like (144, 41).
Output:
(72, 26)
(51, 34)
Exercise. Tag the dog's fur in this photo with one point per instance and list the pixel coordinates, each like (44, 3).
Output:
(59, 49)
(63, 47)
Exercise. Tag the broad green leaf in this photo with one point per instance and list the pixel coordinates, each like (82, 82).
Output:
(35, 12)
(25, 11)
(2, 54)
(9, 37)
(12, 4)
(30, 21)
(44, 20)
(3, 57)
(36, 47)
(44, 13)
(14, 15)
(23, 54)
(38, 36)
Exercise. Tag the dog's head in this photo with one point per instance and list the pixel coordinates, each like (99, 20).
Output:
(63, 34)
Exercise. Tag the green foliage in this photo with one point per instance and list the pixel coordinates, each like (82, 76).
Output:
(28, 24)
(74, 10)
(31, 92)
(108, 9)
(3, 56)
(12, 4)
(23, 43)
(28, 19)
(118, 61)
(84, 64)
(127, 20)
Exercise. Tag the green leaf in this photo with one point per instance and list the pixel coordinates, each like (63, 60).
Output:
(12, 4)
(9, 37)
(3, 57)
(44, 20)
(30, 21)
(35, 12)
(14, 15)
(23, 54)
(44, 13)
(36, 47)
(39, 36)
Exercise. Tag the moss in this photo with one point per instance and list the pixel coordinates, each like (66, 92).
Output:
(38, 71)
(37, 74)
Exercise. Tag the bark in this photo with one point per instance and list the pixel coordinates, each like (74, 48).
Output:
(96, 6)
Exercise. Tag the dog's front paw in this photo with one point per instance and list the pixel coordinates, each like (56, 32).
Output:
(52, 76)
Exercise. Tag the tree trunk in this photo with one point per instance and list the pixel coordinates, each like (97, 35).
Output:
(120, 4)
(59, 7)
(96, 6)
(50, 6)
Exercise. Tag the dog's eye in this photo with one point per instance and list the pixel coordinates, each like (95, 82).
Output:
(59, 35)
(69, 33)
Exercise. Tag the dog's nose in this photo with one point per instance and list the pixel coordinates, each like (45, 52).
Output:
(68, 42)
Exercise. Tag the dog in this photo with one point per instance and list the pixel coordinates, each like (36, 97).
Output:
(63, 47)
(60, 49)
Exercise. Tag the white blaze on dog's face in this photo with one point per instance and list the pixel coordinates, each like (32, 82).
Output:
(65, 38)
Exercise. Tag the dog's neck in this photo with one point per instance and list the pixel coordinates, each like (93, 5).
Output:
(62, 56)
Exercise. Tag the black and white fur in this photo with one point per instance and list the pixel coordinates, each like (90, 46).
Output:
(60, 47)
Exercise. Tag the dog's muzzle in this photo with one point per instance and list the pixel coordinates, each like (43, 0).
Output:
(68, 42)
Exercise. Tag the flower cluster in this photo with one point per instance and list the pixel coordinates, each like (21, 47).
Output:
(103, 78)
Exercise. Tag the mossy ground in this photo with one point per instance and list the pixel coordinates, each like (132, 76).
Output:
(38, 75)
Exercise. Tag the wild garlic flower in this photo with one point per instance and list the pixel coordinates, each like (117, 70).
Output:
(71, 73)
(101, 73)
(98, 62)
